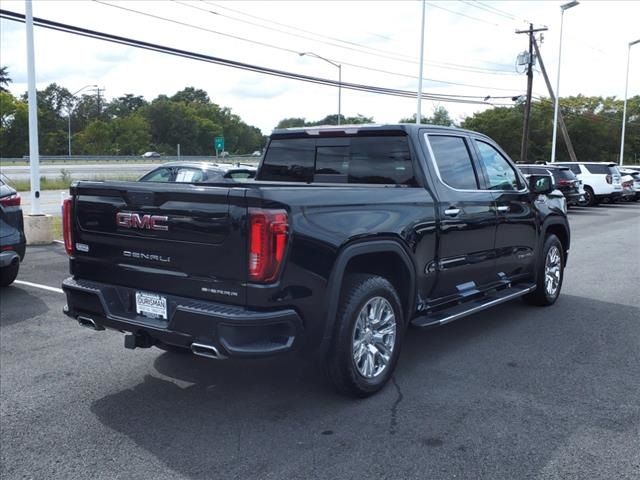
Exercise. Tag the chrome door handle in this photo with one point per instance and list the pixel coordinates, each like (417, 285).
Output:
(452, 211)
(503, 208)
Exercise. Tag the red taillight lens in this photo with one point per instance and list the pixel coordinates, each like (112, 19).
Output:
(564, 182)
(609, 179)
(67, 225)
(11, 201)
(268, 234)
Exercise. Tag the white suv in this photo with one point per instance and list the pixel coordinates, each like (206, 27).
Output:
(601, 180)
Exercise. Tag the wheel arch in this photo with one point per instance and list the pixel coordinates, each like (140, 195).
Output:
(560, 228)
(359, 258)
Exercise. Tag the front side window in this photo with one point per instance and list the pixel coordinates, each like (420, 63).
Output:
(189, 175)
(454, 162)
(501, 175)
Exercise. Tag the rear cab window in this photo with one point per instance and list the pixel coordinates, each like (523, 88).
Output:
(380, 159)
(453, 161)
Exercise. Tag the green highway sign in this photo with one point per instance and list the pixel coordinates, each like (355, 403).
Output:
(218, 143)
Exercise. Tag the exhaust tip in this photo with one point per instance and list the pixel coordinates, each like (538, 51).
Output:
(208, 351)
(89, 323)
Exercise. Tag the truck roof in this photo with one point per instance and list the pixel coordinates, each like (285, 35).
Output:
(364, 128)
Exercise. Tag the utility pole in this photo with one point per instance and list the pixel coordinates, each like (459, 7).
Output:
(98, 90)
(561, 124)
(527, 107)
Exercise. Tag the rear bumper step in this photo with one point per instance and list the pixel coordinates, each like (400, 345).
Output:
(208, 329)
(469, 308)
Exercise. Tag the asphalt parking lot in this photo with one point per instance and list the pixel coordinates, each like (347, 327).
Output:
(511, 393)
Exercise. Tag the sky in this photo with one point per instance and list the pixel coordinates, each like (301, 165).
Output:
(470, 50)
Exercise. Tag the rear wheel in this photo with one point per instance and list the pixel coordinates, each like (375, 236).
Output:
(8, 274)
(589, 197)
(550, 274)
(367, 337)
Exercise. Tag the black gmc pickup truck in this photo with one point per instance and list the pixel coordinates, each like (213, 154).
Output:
(348, 236)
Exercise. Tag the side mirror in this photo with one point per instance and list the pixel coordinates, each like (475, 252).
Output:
(541, 184)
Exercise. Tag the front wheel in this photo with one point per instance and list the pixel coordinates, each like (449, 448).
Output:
(549, 275)
(367, 336)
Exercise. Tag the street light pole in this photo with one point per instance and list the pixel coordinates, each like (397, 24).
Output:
(564, 7)
(419, 108)
(339, 67)
(73, 95)
(624, 109)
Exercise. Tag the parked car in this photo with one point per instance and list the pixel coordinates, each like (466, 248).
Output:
(12, 239)
(195, 172)
(563, 178)
(348, 235)
(635, 178)
(151, 155)
(601, 180)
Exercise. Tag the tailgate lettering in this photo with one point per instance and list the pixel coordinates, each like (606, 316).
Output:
(143, 222)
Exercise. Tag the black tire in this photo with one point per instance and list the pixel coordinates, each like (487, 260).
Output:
(172, 348)
(541, 295)
(589, 197)
(359, 290)
(8, 274)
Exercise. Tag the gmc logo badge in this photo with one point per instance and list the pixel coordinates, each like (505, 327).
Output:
(143, 222)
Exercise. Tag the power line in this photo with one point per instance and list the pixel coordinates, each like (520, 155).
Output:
(382, 53)
(489, 9)
(61, 27)
(288, 50)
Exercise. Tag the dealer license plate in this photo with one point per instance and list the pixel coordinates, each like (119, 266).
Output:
(151, 305)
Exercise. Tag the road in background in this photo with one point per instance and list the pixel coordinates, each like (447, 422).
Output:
(510, 393)
(80, 171)
(90, 171)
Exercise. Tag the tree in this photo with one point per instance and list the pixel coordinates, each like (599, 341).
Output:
(440, 117)
(294, 122)
(192, 95)
(5, 80)
(125, 105)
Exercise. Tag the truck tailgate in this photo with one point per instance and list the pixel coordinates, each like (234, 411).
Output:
(179, 239)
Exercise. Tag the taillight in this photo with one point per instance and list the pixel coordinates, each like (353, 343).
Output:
(11, 200)
(609, 179)
(564, 182)
(268, 234)
(67, 224)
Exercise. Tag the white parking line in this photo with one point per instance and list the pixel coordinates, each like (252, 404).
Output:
(37, 285)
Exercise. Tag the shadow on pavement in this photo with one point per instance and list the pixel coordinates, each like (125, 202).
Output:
(18, 305)
(510, 392)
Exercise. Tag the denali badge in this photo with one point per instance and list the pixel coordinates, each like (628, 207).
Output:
(135, 220)
(146, 256)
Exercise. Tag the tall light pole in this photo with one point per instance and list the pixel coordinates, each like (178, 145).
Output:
(335, 64)
(624, 109)
(73, 95)
(419, 109)
(564, 7)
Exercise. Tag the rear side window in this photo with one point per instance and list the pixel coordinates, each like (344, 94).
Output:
(454, 162)
(379, 160)
(564, 174)
(598, 168)
(574, 167)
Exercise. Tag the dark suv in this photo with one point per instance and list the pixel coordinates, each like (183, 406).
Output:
(12, 240)
(563, 178)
